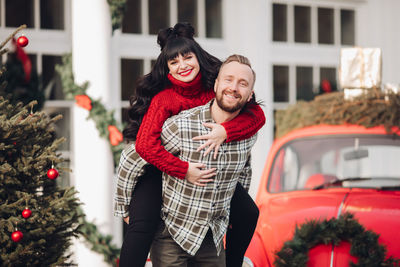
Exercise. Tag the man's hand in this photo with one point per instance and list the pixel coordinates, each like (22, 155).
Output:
(126, 219)
(214, 139)
(197, 176)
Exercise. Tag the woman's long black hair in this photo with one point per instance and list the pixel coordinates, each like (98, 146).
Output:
(173, 42)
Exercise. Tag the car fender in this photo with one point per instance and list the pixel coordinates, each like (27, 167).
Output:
(256, 253)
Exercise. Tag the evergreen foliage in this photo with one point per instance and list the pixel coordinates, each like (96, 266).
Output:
(28, 147)
(117, 9)
(17, 87)
(370, 109)
(364, 243)
(99, 243)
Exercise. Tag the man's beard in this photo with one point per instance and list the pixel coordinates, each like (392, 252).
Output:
(228, 108)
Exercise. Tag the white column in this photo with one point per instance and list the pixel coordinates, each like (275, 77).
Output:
(247, 31)
(92, 158)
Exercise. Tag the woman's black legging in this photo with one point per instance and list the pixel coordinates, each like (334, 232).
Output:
(243, 221)
(144, 218)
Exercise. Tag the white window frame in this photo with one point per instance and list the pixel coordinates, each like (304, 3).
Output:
(313, 54)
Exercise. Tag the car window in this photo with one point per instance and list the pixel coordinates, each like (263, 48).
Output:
(285, 172)
(305, 163)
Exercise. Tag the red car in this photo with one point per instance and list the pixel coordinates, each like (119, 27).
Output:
(322, 172)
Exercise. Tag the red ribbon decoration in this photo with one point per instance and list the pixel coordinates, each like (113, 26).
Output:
(84, 101)
(326, 86)
(25, 60)
(115, 135)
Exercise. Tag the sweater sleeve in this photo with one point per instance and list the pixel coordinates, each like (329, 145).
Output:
(245, 125)
(148, 142)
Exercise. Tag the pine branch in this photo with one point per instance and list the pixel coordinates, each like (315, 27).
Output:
(12, 35)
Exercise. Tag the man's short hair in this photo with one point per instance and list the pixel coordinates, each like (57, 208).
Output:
(242, 60)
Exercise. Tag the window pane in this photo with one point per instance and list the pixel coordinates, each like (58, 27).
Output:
(64, 179)
(302, 24)
(325, 26)
(347, 27)
(158, 15)
(125, 116)
(131, 70)
(279, 26)
(132, 21)
(12, 56)
(52, 14)
(328, 80)
(275, 122)
(62, 126)
(213, 19)
(187, 12)
(50, 78)
(19, 12)
(281, 83)
(304, 85)
(33, 58)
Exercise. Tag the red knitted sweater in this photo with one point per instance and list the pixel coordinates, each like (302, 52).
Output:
(175, 98)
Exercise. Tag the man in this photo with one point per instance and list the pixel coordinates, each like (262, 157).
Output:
(196, 217)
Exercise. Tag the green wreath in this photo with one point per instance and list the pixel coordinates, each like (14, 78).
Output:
(364, 243)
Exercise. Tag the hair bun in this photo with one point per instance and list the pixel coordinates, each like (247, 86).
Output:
(184, 29)
(181, 29)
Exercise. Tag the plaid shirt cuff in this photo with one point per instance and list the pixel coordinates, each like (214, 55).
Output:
(121, 210)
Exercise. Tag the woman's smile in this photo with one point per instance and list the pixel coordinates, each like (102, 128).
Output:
(186, 72)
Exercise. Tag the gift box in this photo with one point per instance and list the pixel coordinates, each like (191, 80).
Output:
(360, 68)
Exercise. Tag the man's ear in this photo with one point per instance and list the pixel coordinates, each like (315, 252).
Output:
(250, 96)
(216, 85)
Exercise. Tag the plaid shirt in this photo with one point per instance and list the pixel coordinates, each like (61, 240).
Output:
(189, 210)
(131, 167)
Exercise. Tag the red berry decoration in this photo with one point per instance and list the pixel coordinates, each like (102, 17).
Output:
(22, 41)
(52, 174)
(26, 213)
(16, 236)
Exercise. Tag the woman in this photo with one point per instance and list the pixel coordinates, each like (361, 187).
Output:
(190, 72)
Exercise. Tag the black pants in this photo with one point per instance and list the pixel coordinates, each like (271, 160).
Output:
(144, 217)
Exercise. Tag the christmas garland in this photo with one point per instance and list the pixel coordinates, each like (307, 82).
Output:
(106, 125)
(105, 122)
(98, 242)
(117, 9)
(364, 243)
(370, 109)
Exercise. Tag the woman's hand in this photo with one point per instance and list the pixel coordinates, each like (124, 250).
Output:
(197, 176)
(126, 219)
(214, 139)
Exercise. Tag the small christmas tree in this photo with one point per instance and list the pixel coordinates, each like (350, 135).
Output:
(37, 217)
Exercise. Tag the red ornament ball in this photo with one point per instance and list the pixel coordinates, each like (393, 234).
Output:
(16, 236)
(22, 41)
(26, 213)
(52, 174)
